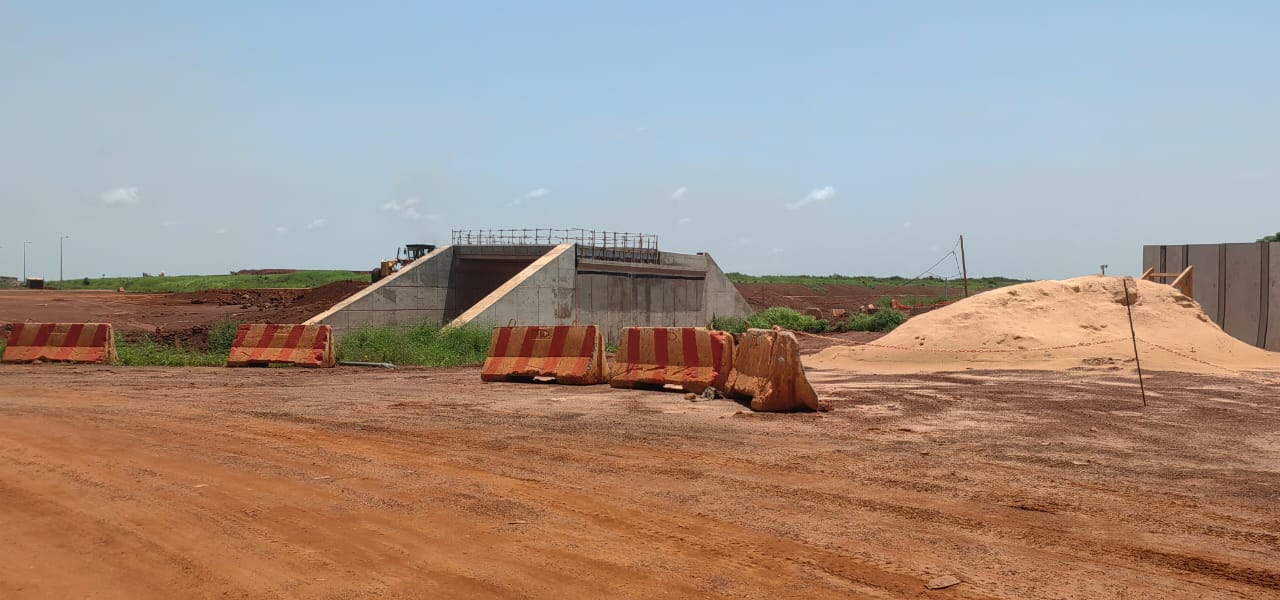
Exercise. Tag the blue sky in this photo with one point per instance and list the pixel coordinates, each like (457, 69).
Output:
(802, 137)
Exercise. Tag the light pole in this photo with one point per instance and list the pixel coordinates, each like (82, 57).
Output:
(65, 237)
(24, 262)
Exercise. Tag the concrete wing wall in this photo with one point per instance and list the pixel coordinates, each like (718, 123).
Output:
(414, 295)
(541, 294)
(723, 297)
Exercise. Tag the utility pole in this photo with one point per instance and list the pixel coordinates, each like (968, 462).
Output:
(24, 262)
(964, 268)
(65, 237)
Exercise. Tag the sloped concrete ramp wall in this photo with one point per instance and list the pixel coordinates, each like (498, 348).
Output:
(414, 295)
(541, 294)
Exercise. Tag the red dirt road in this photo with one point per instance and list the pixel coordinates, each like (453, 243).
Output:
(342, 483)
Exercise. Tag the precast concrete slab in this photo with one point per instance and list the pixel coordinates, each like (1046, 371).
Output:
(1242, 280)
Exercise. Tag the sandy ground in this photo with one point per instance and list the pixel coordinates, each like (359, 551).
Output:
(345, 483)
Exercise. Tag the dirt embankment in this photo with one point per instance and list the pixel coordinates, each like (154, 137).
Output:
(257, 305)
(183, 318)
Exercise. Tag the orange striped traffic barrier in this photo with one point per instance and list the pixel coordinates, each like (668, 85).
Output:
(572, 354)
(60, 342)
(259, 345)
(690, 357)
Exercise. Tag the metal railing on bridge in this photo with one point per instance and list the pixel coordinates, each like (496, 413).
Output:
(591, 244)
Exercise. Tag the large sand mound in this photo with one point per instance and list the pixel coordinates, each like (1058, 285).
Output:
(1079, 322)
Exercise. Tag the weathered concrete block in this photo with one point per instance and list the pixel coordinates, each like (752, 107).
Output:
(767, 369)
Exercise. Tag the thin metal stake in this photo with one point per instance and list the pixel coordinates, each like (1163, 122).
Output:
(1134, 335)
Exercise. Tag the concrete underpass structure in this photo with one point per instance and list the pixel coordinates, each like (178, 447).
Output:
(610, 280)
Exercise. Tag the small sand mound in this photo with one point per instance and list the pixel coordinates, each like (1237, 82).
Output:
(1079, 322)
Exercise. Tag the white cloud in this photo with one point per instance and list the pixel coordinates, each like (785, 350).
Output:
(282, 229)
(169, 223)
(317, 224)
(405, 209)
(679, 193)
(221, 231)
(396, 206)
(641, 129)
(822, 194)
(538, 193)
(777, 250)
(120, 196)
(744, 241)
(684, 220)
(906, 225)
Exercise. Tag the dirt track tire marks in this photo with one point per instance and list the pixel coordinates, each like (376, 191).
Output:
(426, 482)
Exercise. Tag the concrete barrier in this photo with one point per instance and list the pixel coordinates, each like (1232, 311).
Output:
(767, 369)
(60, 342)
(572, 354)
(690, 357)
(259, 344)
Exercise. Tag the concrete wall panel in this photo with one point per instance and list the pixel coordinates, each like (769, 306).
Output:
(1243, 292)
(1151, 257)
(1174, 261)
(1273, 299)
(1206, 277)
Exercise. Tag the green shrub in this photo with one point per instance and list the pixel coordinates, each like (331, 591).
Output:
(734, 325)
(787, 318)
(883, 320)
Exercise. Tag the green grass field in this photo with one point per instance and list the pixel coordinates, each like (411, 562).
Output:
(424, 345)
(197, 283)
(821, 282)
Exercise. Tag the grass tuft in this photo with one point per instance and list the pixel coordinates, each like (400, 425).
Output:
(425, 345)
(222, 335)
(146, 352)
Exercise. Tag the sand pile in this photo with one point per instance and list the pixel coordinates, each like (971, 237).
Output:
(1078, 322)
